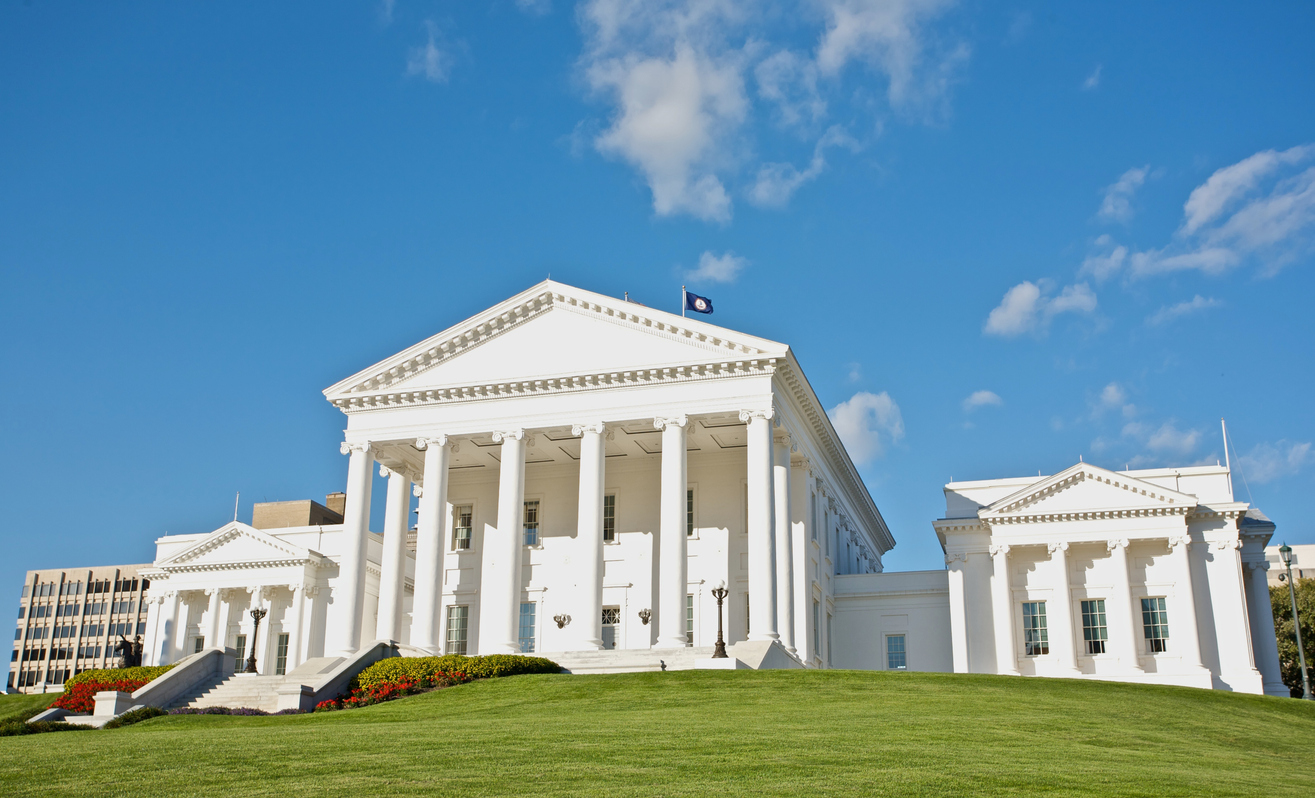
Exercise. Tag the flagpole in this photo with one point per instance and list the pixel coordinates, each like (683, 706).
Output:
(683, 301)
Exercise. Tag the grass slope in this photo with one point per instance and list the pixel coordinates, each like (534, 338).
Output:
(13, 706)
(701, 733)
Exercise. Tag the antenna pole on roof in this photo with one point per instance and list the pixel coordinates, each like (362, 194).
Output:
(235, 500)
(1228, 466)
(683, 300)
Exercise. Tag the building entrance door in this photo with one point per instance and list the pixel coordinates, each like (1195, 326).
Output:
(611, 619)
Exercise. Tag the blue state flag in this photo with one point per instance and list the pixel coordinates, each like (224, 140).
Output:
(698, 304)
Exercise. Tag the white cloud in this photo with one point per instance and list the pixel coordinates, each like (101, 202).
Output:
(981, 399)
(1093, 80)
(1170, 312)
(722, 268)
(777, 182)
(1267, 462)
(1106, 263)
(429, 60)
(865, 423)
(1117, 204)
(855, 372)
(1113, 397)
(386, 11)
(1168, 439)
(789, 81)
(1208, 200)
(536, 7)
(1027, 308)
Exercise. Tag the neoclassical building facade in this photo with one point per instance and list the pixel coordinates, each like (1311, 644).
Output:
(583, 471)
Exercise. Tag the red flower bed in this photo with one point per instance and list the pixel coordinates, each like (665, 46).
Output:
(80, 699)
(387, 691)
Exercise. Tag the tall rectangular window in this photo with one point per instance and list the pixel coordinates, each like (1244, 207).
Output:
(895, 655)
(1093, 625)
(689, 512)
(240, 649)
(1036, 638)
(458, 618)
(748, 616)
(200, 645)
(281, 656)
(817, 629)
(1155, 624)
(462, 523)
(689, 616)
(527, 627)
(531, 523)
(812, 514)
(609, 518)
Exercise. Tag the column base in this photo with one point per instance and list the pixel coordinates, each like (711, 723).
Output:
(764, 638)
(671, 642)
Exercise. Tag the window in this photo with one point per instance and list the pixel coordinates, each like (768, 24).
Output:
(1093, 625)
(817, 629)
(240, 647)
(689, 616)
(812, 514)
(609, 518)
(531, 523)
(611, 616)
(458, 619)
(689, 512)
(748, 616)
(828, 639)
(1036, 638)
(526, 639)
(199, 646)
(1155, 623)
(281, 656)
(895, 657)
(461, 526)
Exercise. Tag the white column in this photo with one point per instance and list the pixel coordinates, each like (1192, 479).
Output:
(1064, 644)
(1232, 625)
(500, 584)
(762, 534)
(672, 543)
(1185, 628)
(348, 601)
(1002, 612)
(784, 550)
(1263, 639)
(296, 624)
(212, 620)
(589, 535)
(253, 640)
(956, 562)
(800, 485)
(1124, 616)
(430, 541)
(392, 577)
(167, 636)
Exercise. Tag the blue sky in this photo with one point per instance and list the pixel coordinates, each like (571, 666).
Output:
(1000, 237)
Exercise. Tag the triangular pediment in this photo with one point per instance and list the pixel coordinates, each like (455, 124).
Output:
(1086, 489)
(235, 543)
(553, 331)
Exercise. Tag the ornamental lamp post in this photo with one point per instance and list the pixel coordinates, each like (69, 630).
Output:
(720, 592)
(256, 615)
(1285, 552)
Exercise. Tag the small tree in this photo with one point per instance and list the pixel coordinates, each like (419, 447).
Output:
(1289, 662)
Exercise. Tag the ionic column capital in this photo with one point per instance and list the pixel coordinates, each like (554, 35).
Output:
(1179, 540)
(596, 427)
(673, 421)
(511, 434)
(1224, 545)
(782, 437)
(1057, 547)
(765, 415)
(424, 443)
(347, 447)
(955, 556)
(1121, 543)
(417, 489)
(999, 550)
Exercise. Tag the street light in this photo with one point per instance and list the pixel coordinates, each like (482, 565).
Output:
(256, 615)
(1285, 552)
(719, 592)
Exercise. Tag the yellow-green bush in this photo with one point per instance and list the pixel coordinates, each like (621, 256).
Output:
(394, 669)
(143, 673)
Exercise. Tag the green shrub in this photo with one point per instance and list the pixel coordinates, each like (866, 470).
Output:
(142, 674)
(134, 716)
(13, 727)
(396, 669)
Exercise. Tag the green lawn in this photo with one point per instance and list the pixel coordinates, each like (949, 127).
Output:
(12, 706)
(709, 733)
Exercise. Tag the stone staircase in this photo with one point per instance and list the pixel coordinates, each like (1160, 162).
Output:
(630, 660)
(253, 690)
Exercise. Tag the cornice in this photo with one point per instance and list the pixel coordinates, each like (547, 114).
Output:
(1045, 488)
(186, 568)
(1085, 515)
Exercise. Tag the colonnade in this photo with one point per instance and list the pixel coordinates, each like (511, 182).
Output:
(164, 641)
(771, 563)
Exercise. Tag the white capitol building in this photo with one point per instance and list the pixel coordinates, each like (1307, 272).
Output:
(589, 469)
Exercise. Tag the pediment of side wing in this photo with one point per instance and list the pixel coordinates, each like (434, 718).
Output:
(1088, 489)
(235, 543)
(550, 331)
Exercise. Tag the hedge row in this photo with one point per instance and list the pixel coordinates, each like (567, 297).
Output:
(141, 674)
(396, 669)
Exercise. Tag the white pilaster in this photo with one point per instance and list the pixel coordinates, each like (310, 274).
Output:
(348, 607)
(392, 577)
(784, 549)
(430, 540)
(212, 620)
(1124, 616)
(500, 584)
(589, 535)
(1002, 612)
(1185, 606)
(672, 543)
(167, 636)
(1064, 644)
(296, 623)
(1237, 663)
(762, 532)
(956, 562)
(1261, 615)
